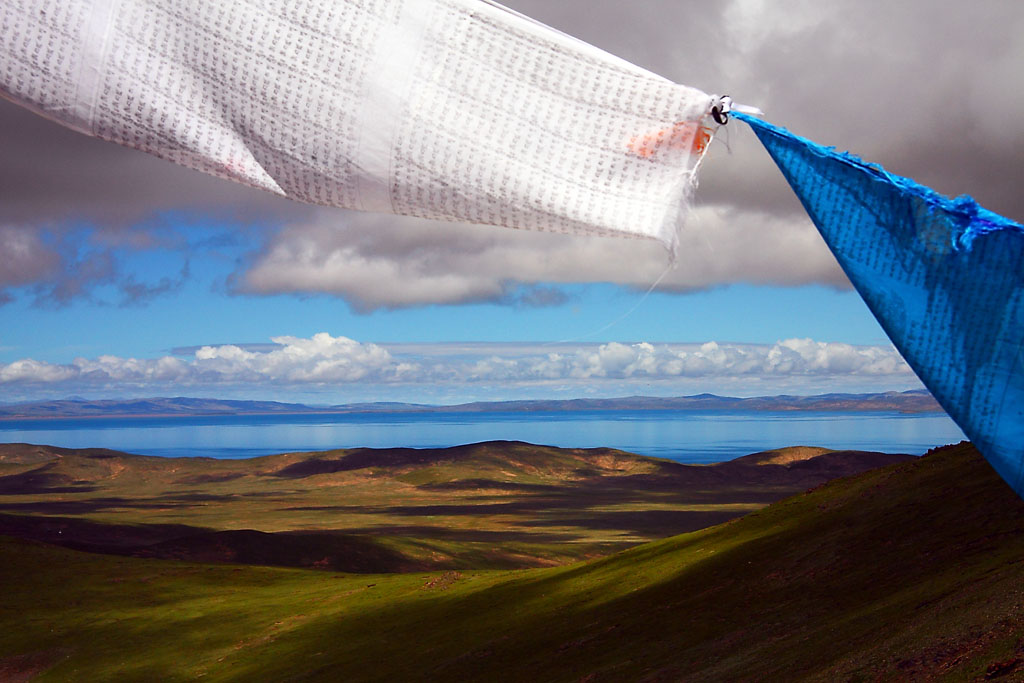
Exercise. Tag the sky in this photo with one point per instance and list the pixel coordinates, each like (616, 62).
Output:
(122, 275)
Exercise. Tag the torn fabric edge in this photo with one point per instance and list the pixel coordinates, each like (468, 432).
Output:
(972, 218)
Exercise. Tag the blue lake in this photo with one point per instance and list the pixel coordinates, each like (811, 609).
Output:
(686, 436)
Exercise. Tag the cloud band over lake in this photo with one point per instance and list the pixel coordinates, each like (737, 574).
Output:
(324, 364)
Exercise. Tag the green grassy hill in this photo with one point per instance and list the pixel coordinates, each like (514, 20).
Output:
(498, 505)
(910, 572)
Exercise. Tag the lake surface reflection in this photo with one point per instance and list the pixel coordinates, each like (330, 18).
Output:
(686, 436)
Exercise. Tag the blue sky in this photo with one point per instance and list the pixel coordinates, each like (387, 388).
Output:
(192, 303)
(200, 310)
(117, 269)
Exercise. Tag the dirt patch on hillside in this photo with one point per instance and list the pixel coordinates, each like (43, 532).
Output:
(442, 582)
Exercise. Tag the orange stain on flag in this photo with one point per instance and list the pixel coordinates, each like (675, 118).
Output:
(688, 136)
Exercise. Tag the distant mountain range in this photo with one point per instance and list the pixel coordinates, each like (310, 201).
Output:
(917, 401)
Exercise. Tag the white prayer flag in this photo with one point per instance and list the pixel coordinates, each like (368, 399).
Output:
(459, 110)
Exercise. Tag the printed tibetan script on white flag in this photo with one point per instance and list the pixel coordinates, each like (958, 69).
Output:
(448, 109)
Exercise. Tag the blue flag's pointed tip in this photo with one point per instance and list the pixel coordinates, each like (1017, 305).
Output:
(944, 277)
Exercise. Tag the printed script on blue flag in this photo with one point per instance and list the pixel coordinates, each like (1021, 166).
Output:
(944, 277)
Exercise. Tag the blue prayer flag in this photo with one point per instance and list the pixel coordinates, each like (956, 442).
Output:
(944, 277)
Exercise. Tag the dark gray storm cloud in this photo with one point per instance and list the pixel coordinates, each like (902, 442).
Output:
(48, 172)
(930, 89)
(71, 206)
(24, 257)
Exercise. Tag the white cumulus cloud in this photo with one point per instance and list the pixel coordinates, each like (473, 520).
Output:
(788, 358)
(324, 362)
